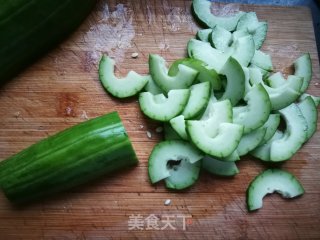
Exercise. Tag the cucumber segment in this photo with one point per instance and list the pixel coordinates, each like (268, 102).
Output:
(152, 87)
(69, 158)
(263, 152)
(235, 81)
(250, 141)
(203, 34)
(276, 80)
(294, 135)
(159, 73)
(258, 30)
(242, 50)
(271, 126)
(121, 88)
(310, 114)
(220, 38)
(170, 133)
(262, 60)
(257, 111)
(205, 74)
(220, 168)
(280, 97)
(160, 108)
(198, 100)
(174, 150)
(270, 181)
(209, 55)
(303, 68)
(184, 175)
(222, 144)
(202, 10)
(315, 99)
(179, 125)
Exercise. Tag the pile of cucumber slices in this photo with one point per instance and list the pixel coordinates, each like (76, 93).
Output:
(222, 102)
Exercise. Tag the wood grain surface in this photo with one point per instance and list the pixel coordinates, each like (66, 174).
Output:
(63, 89)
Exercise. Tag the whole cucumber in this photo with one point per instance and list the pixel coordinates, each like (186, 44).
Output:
(70, 158)
(29, 28)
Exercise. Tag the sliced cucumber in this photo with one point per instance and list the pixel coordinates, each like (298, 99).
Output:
(271, 126)
(215, 134)
(262, 60)
(187, 170)
(221, 145)
(235, 88)
(315, 99)
(170, 133)
(294, 135)
(179, 125)
(258, 30)
(153, 88)
(160, 108)
(247, 85)
(270, 181)
(218, 167)
(263, 152)
(205, 74)
(121, 88)
(310, 114)
(202, 10)
(197, 103)
(303, 68)
(159, 73)
(280, 97)
(220, 38)
(243, 50)
(203, 34)
(204, 52)
(256, 112)
(276, 80)
(250, 141)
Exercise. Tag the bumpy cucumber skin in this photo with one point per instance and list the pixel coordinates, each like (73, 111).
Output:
(70, 158)
(34, 27)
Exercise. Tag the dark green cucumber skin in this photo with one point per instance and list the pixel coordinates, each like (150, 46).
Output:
(70, 158)
(30, 28)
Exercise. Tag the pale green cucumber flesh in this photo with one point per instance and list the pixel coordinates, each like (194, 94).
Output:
(202, 10)
(250, 141)
(218, 167)
(203, 34)
(159, 73)
(220, 38)
(153, 88)
(271, 126)
(294, 136)
(262, 60)
(270, 181)
(179, 125)
(263, 152)
(315, 99)
(222, 144)
(235, 88)
(303, 68)
(205, 73)
(128, 86)
(310, 114)
(257, 110)
(161, 108)
(198, 100)
(173, 150)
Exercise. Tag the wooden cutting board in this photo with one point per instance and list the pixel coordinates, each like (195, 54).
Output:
(63, 89)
